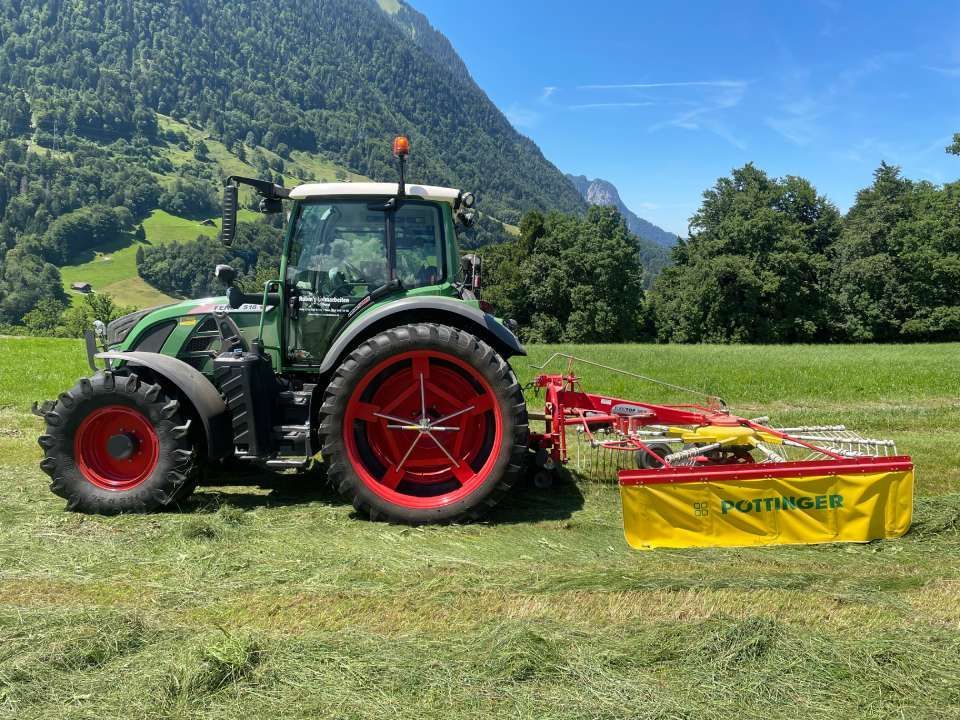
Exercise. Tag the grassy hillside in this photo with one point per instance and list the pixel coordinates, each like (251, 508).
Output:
(298, 167)
(111, 268)
(278, 602)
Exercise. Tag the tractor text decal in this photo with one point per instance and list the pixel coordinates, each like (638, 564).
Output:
(316, 305)
(773, 504)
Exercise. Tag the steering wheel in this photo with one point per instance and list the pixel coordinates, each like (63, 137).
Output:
(343, 278)
(357, 274)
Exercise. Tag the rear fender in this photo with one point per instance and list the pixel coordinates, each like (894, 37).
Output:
(434, 309)
(195, 389)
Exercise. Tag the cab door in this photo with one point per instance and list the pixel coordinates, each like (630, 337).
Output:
(338, 255)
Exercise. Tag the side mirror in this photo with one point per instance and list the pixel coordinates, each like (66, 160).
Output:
(225, 274)
(228, 224)
(270, 205)
(466, 217)
(235, 297)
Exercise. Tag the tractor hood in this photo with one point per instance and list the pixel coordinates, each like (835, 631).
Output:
(128, 327)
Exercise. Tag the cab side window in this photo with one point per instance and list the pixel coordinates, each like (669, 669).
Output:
(419, 244)
(338, 254)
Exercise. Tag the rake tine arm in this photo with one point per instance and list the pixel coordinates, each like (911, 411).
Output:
(767, 452)
(783, 437)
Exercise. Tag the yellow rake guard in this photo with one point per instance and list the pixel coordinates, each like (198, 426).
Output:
(852, 500)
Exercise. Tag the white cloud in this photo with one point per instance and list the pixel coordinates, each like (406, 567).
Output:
(521, 117)
(796, 129)
(547, 92)
(873, 150)
(708, 114)
(710, 99)
(591, 106)
(805, 101)
(953, 72)
(652, 85)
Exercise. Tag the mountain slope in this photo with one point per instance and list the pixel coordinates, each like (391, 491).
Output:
(653, 243)
(337, 77)
(433, 42)
(112, 111)
(603, 192)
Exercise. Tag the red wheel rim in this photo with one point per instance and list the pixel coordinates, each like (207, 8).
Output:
(116, 447)
(423, 429)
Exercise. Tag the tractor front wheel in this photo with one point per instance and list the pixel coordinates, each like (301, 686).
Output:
(115, 444)
(424, 423)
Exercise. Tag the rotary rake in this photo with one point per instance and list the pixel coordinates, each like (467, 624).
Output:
(697, 474)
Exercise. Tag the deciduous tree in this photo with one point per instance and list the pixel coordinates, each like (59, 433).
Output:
(755, 267)
(569, 279)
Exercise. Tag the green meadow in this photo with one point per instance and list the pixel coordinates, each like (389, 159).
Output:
(266, 597)
(112, 268)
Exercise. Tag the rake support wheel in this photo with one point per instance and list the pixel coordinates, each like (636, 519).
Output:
(424, 423)
(116, 444)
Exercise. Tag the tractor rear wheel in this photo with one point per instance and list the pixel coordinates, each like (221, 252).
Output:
(424, 423)
(115, 444)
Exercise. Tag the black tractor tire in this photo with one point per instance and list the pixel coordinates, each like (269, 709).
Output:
(167, 475)
(446, 348)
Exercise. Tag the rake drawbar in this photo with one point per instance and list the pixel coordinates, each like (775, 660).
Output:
(697, 475)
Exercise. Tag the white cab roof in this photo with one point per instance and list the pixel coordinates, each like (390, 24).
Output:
(427, 192)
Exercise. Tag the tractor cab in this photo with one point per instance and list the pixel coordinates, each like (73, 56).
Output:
(349, 246)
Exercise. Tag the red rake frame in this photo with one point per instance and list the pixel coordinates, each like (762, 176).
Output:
(568, 405)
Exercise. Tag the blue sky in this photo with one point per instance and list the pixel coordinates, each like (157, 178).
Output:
(662, 99)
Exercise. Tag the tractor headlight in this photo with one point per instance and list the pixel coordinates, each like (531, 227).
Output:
(117, 330)
(100, 330)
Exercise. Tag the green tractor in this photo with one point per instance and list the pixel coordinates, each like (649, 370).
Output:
(373, 351)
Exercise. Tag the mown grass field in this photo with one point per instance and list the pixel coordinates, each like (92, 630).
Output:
(277, 603)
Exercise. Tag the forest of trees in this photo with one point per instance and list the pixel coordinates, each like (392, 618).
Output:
(187, 269)
(769, 260)
(103, 70)
(569, 278)
(85, 157)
